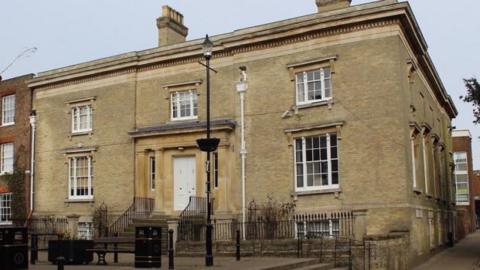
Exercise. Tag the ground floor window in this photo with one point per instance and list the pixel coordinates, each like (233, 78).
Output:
(85, 230)
(316, 162)
(81, 177)
(313, 229)
(5, 208)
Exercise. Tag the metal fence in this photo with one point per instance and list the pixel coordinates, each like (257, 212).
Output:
(338, 223)
(48, 225)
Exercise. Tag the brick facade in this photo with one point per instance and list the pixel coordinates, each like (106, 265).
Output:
(19, 132)
(466, 218)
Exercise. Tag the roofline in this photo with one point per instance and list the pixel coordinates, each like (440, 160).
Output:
(380, 10)
(461, 133)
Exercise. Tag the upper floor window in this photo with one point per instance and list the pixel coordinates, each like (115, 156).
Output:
(461, 178)
(8, 110)
(316, 162)
(5, 208)
(314, 85)
(80, 177)
(81, 118)
(184, 105)
(6, 158)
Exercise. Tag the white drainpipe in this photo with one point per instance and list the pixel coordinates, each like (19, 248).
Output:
(242, 87)
(33, 121)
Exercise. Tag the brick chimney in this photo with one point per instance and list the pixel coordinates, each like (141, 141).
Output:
(328, 5)
(170, 27)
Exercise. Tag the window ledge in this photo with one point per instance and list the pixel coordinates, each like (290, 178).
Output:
(463, 203)
(7, 125)
(173, 120)
(81, 133)
(79, 200)
(328, 102)
(315, 192)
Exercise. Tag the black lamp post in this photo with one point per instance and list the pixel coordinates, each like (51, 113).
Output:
(208, 145)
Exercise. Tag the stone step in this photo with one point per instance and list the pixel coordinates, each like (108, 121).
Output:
(319, 266)
(294, 265)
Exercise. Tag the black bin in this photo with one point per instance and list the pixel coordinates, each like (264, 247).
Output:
(148, 248)
(13, 248)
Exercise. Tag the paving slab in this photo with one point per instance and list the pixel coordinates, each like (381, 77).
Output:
(126, 261)
(463, 256)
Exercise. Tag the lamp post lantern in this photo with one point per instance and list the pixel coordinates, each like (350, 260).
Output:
(208, 145)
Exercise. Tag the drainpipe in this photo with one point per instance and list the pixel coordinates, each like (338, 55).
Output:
(33, 121)
(242, 87)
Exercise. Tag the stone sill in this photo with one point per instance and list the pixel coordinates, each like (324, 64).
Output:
(328, 102)
(79, 201)
(315, 192)
(81, 133)
(8, 125)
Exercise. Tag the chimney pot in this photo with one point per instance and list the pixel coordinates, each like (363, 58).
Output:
(328, 5)
(170, 27)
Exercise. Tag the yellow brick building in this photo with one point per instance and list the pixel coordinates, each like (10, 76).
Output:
(344, 112)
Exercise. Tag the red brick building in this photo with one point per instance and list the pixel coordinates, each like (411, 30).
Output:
(464, 181)
(476, 195)
(15, 148)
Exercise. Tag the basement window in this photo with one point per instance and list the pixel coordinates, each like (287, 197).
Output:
(317, 229)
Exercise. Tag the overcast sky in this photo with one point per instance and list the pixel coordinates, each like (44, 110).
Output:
(74, 31)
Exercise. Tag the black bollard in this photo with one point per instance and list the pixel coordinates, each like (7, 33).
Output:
(34, 249)
(238, 245)
(171, 263)
(60, 263)
(115, 248)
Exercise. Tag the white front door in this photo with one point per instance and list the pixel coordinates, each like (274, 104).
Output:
(184, 178)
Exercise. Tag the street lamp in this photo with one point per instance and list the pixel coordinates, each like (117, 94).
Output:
(208, 145)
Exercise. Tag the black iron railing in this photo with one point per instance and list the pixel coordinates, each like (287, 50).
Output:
(192, 223)
(140, 208)
(48, 225)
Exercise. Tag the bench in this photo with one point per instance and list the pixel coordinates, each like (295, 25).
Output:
(115, 241)
(102, 252)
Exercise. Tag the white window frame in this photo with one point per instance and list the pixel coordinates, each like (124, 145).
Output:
(425, 162)
(73, 180)
(75, 111)
(306, 100)
(152, 161)
(304, 163)
(8, 107)
(5, 208)
(461, 172)
(193, 105)
(4, 167)
(414, 161)
(85, 230)
(319, 228)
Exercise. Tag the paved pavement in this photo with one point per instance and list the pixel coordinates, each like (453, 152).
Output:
(197, 263)
(464, 256)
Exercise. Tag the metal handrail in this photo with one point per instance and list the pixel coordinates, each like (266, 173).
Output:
(140, 208)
